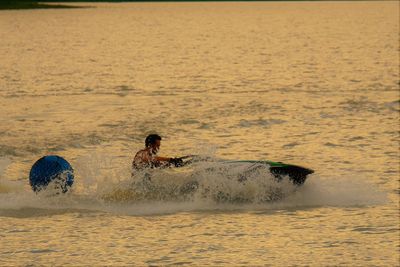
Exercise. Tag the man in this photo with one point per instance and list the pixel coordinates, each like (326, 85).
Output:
(147, 157)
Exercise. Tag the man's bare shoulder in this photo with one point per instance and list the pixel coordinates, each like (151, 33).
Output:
(142, 151)
(142, 154)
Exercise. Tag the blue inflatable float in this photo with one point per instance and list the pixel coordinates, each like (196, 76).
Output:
(54, 170)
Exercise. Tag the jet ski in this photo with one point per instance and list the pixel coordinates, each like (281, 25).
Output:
(154, 184)
(296, 174)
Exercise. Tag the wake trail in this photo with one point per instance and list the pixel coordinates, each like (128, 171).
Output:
(111, 189)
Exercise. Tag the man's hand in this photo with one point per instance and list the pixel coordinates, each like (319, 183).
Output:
(177, 162)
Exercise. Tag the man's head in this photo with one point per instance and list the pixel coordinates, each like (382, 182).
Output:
(153, 141)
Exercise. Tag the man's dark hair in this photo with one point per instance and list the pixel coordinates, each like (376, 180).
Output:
(151, 139)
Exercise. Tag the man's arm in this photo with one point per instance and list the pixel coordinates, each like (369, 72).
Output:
(162, 159)
(167, 161)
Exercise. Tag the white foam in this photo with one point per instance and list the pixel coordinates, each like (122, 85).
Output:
(98, 176)
(337, 191)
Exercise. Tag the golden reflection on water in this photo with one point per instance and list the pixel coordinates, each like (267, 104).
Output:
(308, 83)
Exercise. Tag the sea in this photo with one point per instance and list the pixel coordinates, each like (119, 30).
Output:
(315, 84)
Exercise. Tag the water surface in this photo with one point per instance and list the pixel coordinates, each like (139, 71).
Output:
(310, 83)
